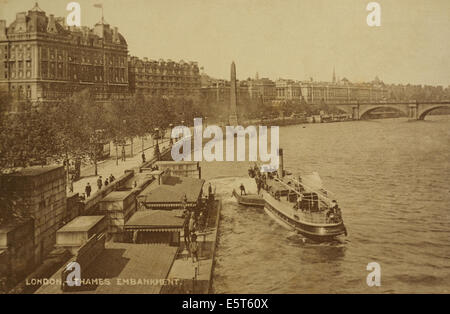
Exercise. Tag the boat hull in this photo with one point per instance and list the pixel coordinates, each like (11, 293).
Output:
(316, 232)
(249, 200)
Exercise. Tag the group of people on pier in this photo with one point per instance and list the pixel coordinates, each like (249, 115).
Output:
(261, 178)
(196, 221)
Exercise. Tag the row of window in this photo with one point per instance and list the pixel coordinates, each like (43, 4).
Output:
(22, 91)
(156, 85)
(92, 58)
(164, 71)
(165, 78)
(20, 74)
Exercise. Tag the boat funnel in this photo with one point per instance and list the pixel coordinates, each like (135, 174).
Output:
(280, 163)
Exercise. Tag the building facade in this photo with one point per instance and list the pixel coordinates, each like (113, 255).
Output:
(42, 59)
(342, 91)
(288, 90)
(259, 91)
(164, 78)
(262, 89)
(218, 92)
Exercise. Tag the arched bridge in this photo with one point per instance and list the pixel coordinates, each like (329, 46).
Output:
(413, 109)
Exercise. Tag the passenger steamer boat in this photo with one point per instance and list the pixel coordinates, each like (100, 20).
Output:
(297, 205)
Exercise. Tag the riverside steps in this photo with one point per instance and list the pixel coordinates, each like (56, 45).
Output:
(196, 277)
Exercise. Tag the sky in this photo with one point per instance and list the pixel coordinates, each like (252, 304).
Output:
(294, 39)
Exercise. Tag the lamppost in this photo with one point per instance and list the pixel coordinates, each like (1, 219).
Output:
(123, 140)
(170, 136)
(156, 135)
(157, 152)
(94, 140)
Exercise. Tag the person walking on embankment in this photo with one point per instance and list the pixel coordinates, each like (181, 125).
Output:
(99, 183)
(88, 190)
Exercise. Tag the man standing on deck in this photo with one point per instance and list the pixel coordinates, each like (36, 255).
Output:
(242, 187)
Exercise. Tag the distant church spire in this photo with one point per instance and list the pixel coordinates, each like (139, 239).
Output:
(334, 75)
(36, 8)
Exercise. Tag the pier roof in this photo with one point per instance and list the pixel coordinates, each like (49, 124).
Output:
(173, 190)
(156, 220)
(81, 223)
(117, 196)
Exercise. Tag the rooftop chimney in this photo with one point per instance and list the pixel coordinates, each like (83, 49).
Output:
(116, 35)
(51, 26)
(2, 29)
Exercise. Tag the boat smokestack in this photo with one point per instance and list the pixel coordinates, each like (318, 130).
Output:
(280, 163)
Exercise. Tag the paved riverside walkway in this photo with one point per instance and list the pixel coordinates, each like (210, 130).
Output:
(184, 269)
(107, 167)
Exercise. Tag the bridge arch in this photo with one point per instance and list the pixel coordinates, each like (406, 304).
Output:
(424, 112)
(364, 110)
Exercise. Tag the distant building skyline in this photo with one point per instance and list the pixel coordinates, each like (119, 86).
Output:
(289, 39)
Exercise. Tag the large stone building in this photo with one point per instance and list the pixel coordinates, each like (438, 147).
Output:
(265, 91)
(288, 90)
(42, 59)
(342, 91)
(164, 78)
(262, 89)
(337, 91)
(218, 92)
(259, 91)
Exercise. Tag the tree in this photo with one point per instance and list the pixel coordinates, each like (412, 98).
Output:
(25, 139)
(144, 117)
(92, 122)
(123, 122)
(69, 131)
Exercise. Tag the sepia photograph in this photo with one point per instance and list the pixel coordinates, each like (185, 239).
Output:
(224, 147)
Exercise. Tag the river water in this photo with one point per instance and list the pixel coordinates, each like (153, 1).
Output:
(391, 179)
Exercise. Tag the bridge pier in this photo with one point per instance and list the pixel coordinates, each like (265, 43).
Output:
(355, 112)
(413, 112)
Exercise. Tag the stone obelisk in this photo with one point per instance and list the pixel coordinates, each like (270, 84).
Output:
(233, 120)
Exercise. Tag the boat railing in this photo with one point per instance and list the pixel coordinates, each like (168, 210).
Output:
(317, 217)
(322, 195)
